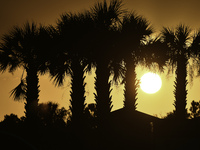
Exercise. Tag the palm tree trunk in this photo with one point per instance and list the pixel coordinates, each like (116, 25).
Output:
(131, 86)
(77, 94)
(180, 91)
(102, 95)
(32, 94)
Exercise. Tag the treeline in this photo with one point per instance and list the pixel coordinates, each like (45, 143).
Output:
(50, 115)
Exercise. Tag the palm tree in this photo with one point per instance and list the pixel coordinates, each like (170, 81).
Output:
(182, 46)
(50, 115)
(134, 29)
(74, 32)
(106, 17)
(25, 47)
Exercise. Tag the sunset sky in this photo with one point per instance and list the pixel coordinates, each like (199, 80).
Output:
(159, 12)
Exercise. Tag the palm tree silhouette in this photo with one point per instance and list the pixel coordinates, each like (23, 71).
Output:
(25, 47)
(134, 29)
(182, 45)
(73, 40)
(103, 55)
(51, 115)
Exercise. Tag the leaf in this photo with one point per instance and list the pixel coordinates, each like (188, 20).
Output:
(19, 92)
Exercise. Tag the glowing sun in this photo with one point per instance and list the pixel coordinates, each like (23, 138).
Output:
(150, 83)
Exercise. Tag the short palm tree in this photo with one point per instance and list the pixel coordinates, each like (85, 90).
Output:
(183, 45)
(133, 31)
(25, 47)
(50, 115)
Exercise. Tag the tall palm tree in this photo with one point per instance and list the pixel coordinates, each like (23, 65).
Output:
(106, 17)
(182, 45)
(74, 32)
(25, 47)
(133, 30)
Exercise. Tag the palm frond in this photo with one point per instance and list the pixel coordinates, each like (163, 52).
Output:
(106, 14)
(168, 36)
(58, 79)
(18, 47)
(183, 35)
(195, 46)
(154, 51)
(58, 73)
(19, 92)
(195, 55)
(4, 60)
(118, 71)
(133, 22)
(134, 30)
(9, 59)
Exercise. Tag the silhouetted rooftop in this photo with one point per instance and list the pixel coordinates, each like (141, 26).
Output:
(133, 115)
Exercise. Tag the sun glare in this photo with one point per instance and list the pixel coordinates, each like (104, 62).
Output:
(150, 83)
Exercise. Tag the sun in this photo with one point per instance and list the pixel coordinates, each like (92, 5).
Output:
(150, 83)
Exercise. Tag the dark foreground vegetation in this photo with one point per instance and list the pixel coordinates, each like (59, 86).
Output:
(113, 41)
(124, 130)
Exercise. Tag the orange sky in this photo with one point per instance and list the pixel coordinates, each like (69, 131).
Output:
(160, 13)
